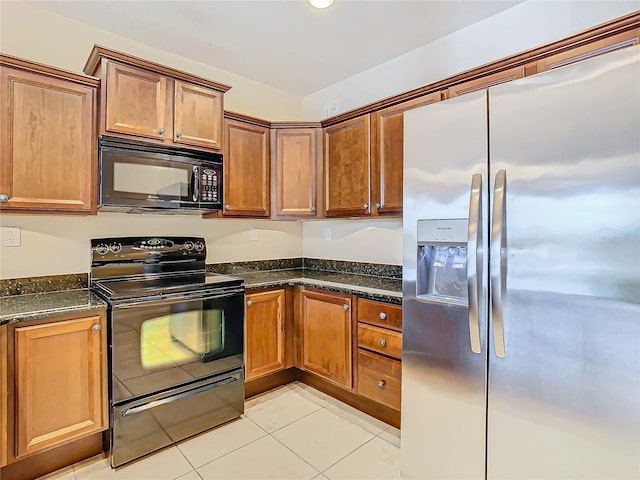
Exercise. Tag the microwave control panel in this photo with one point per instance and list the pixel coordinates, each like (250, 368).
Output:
(209, 185)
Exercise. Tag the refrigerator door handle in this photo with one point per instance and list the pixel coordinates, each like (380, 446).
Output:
(474, 261)
(499, 260)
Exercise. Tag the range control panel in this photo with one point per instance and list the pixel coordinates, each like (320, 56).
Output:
(136, 248)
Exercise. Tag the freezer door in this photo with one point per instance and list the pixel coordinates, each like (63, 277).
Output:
(564, 375)
(443, 379)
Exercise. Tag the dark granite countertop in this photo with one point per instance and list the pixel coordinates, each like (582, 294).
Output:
(383, 289)
(36, 306)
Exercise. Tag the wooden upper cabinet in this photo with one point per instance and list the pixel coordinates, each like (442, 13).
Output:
(264, 333)
(48, 139)
(156, 103)
(590, 50)
(485, 81)
(136, 101)
(387, 154)
(326, 336)
(296, 172)
(246, 169)
(347, 163)
(197, 115)
(60, 380)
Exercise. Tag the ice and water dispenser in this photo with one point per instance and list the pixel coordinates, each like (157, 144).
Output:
(442, 261)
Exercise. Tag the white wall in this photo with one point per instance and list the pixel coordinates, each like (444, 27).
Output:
(519, 28)
(60, 244)
(44, 37)
(374, 241)
(52, 245)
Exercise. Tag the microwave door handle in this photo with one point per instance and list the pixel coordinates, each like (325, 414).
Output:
(195, 183)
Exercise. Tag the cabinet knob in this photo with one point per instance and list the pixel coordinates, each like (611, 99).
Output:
(378, 204)
(381, 383)
(383, 343)
(161, 131)
(346, 307)
(4, 198)
(365, 206)
(227, 207)
(313, 209)
(178, 134)
(382, 315)
(249, 302)
(96, 327)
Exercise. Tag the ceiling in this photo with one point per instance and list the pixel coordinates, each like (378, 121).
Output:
(286, 44)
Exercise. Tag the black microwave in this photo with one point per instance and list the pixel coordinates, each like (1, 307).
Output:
(140, 175)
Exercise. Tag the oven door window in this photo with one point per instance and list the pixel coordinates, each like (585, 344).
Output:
(162, 345)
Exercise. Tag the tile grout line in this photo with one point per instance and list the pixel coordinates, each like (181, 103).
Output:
(351, 452)
(229, 452)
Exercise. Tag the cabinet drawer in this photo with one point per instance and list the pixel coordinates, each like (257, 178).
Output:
(379, 378)
(379, 313)
(380, 340)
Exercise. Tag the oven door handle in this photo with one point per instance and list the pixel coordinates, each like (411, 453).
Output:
(168, 299)
(179, 396)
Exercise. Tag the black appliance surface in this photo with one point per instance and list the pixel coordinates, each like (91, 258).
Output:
(176, 337)
(135, 175)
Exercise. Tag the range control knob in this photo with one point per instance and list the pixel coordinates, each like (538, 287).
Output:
(188, 246)
(199, 246)
(102, 249)
(115, 247)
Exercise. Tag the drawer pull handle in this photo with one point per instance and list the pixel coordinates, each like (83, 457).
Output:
(381, 383)
(383, 343)
(382, 315)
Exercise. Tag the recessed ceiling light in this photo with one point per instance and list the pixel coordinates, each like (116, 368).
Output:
(321, 3)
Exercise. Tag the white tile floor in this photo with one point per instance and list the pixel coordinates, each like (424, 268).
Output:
(293, 432)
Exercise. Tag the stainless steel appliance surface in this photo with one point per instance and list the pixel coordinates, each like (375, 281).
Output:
(176, 339)
(140, 176)
(521, 278)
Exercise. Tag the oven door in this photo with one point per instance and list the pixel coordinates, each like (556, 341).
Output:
(143, 426)
(162, 344)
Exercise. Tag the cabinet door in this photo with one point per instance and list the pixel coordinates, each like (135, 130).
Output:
(326, 336)
(197, 116)
(387, 154)
(347, 167)
(136, 102)
(264, 333)
(60, 383)
(48, 143)
(295, 172)
(485, 82)
(246, 169)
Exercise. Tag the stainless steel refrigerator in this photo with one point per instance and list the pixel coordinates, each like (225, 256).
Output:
(521, 291)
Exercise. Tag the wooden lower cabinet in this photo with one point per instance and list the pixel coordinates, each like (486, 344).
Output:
(265, 336)
(3, 397)
(379, 378)
(326, 336)
(60, 383)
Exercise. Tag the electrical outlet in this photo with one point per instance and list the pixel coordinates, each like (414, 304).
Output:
(331, 109)
(327, 233)
(254, 234)
(11, 237)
